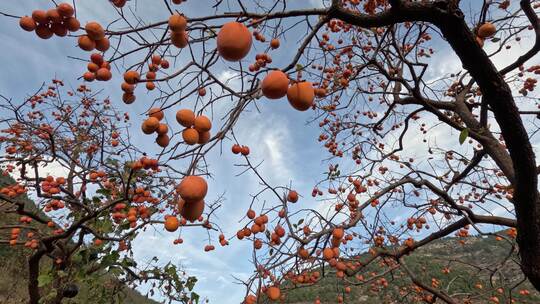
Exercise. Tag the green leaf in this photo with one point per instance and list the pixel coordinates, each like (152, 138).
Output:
(44, 279)
(61, 274)
(195, 297)
(110, 259)
(191, 283)
(129, 262)
(104, 191)
(299, 66)
(463, 135)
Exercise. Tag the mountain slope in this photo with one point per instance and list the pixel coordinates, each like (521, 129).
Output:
(464, 281)
(14, 268)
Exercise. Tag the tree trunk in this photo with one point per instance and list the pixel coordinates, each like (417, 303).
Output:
(33, 274)
(498, 95)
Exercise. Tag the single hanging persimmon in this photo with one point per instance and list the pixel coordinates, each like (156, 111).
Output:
(192, 188)
(162, 129)
(119, 3)
(150, 85)
(177, 23)
(131, 77)
(190, 136)
(328, 254)
(338, 233)
(27, 23)
(156, 59)
(162, 140)
(204, 137)
(273, 293)
(292, 196)
(86, 44)
(164, 64)
(128, 98)
(43, 31)
(191, 211)
(245, 150)
(156, 112)
(171, 223)
(89, 76)
(185, 117)
(234, 41)
(202, 123)
(250, 299)
(486, 30)
(180, 39)
(54, 16)
(275, 85)
(236, 149)
(94, 30)
(40, 16)
(126, 87)
(150, 125)
(103, 74)
(301, 95)
(103, 44)
(59, 29)
(92, 67)
(72, 24)
(274, 43)
(202, 92)
(65, 10)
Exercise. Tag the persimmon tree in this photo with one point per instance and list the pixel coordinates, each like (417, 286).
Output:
(78, 225)
(365, 70)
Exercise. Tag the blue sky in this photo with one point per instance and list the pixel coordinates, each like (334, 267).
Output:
(277, 135)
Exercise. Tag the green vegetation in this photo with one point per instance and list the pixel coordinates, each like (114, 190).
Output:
(14, 270)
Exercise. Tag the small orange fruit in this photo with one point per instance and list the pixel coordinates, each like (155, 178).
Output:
(177, 23)
(192, 188)
(150, 125)
(180, 39)
(486, 30)
(171, 223)
(156, 112)
(234, 41)
(204, 137)
(275, 85)
(301, 95)
(190, 136)
(163, 140)
(131, 77)
(185, 117)
(191, 211)
(273, 293)
(202, 123)
(94, 30)
(274, 43)
(86, 44)
(65, 9)
(27, 23)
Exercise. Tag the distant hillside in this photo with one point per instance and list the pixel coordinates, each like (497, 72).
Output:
(427, 263)
(14, 273)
